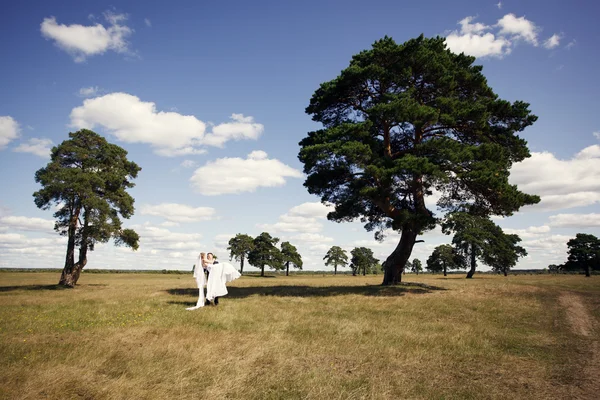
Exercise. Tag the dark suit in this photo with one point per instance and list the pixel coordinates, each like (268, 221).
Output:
(207, 275)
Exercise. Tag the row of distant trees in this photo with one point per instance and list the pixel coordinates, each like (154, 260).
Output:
(498, 250)
(262, 251)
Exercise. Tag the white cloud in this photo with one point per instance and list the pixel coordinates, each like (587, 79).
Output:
(148, 22)
(188, 164)
(597, 134)
(39, 147)
(302, 218)
(238, 175)
(467, 27)
(560, 183)
(531, 232)
(518, 27)
(179, 212)
(553, 41)
(83, 41)
(311, 210)
(575, 220)
(14, 242)
(9, 130)
(18, 223)
(152, 237)
(554, 243)
(89, 91)
(169, 224)
(241, 128)
(293, 223)
(311, 238)
(132, 120)
(571, 44)
(499, 5)
(481, 40)
(589, 152)
(471, 41)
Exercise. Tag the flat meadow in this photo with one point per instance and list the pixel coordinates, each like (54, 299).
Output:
(129, 336)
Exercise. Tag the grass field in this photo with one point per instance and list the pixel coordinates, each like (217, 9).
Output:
(128, 336)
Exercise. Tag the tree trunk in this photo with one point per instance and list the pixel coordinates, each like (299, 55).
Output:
(587, 271)
(395, 263)
(364, 270)
(444, 269)
(242, 265)
(69, 276)
(473, 264)
(262, 270)
(335, 269)
(287, 268)
(505, 271)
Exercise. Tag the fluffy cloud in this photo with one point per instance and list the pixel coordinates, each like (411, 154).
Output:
(89, 91)
(18, 223)
(83, 41)
(16, 242)
(39, 147)
(531, 232)
(575, 220)
(132, 120)
(311, 210)
(188, 164)
(238, 175)
(9, 130)
(552, 42)
(480, 40)
(471, 40)
(302, 218)
(241, 128)
(148, 22)
(518, 28)
(152, 237)
(560, 183)
(311, 238)
(179, 212)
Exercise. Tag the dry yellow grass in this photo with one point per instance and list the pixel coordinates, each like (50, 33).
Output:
(122, 336)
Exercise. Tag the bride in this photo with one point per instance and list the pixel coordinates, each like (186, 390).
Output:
(218, 275)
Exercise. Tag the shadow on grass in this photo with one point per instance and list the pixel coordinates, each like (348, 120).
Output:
(46, 287)
(315, 291)
(31, 287)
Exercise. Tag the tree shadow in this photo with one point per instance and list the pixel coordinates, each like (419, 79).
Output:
(316, 291)
(31, 287)
(46, 287)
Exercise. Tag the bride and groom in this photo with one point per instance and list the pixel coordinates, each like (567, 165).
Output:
(214, 275)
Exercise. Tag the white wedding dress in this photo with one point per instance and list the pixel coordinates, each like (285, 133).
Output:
(219, 275)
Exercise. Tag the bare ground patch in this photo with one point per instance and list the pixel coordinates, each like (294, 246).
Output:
(582, 323)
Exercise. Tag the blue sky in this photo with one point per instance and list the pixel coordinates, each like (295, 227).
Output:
(209, 97)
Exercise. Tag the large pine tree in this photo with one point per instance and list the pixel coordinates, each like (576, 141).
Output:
(402, 120)
(87, 179)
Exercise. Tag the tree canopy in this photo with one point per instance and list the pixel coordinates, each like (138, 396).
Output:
(336, 257)
(363, 260)
(290, 255)
(478, 238)
(443, 258)
(87, 179)
(402, 120)
(265, 253)
(584, 253)
(239, 248)
(416, 266)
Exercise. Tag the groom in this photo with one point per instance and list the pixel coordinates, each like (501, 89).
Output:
(209, 262)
